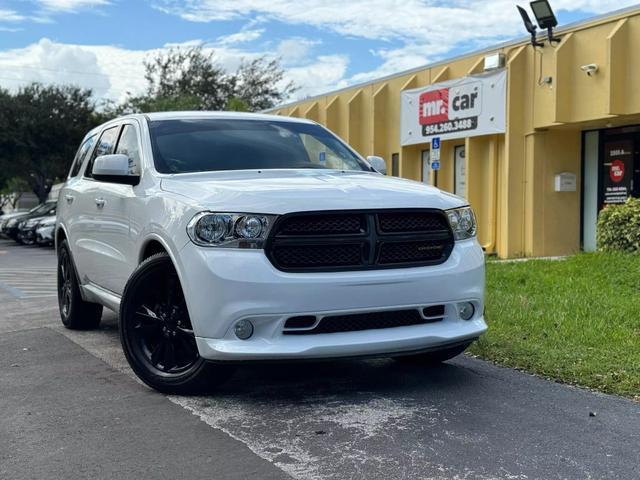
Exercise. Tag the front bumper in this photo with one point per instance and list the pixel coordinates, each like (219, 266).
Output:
(27, 234)
(44, 235)
(223, 286)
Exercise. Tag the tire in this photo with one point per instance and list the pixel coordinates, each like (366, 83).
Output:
(75, 313)
(157, 336)
(436, 357)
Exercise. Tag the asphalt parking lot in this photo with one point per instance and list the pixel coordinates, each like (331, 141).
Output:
(71, 408)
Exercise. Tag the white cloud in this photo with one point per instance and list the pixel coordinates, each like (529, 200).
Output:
(114, 73)
(71, 5)
(422, 31)
(243, 36)
(426, 29)
(327, 72)
(295, 49)
(49, 62)
(7, 15)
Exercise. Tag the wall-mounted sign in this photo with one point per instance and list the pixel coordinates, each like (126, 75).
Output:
(566, 182)
(435, 152)
(465, 107)
(618, 171)
(460, 171)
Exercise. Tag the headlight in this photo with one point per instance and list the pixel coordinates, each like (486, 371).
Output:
(47, 222)
(231, 230)
(463, 222)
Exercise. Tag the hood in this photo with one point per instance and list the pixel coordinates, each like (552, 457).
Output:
(8, 216)
(286, 191)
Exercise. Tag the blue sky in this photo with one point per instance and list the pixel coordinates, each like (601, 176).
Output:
(323, 44)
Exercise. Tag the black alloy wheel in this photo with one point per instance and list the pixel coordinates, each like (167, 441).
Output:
(156, 332)
(162, 332)
(65, 285)
(75, 313)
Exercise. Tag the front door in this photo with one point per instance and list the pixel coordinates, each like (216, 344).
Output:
(620, 166)
(87, 244)
(611, 174)
(113, 203)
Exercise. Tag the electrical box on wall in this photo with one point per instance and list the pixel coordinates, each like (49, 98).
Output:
(493, 61)
(565, 182)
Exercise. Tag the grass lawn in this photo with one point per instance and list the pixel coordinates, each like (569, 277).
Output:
(575, 320)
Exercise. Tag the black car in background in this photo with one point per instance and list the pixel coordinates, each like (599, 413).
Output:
(4, 219)
(12, 227)
(27, 228)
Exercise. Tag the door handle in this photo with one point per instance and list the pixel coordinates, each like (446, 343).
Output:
(69, 198)
(100, 202)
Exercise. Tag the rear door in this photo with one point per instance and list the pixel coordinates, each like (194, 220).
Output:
(68, 197)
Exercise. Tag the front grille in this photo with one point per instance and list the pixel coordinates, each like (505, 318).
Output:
(303, 256)
(411, 222)
(361, 321)
(359, 240)
(420, 251)
(323, 225)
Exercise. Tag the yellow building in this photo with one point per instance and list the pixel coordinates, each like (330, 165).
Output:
(570, 143)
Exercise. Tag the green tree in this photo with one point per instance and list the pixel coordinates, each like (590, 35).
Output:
(41, 128)
(191, 79)
(11, 191)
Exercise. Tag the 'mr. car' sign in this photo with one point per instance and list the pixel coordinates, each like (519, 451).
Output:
(465, 107)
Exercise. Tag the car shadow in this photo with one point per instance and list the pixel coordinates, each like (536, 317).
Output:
(308, 379)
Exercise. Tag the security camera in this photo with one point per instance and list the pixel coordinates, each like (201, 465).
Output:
(590, 69)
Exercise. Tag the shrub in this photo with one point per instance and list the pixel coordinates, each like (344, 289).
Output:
(619, 227)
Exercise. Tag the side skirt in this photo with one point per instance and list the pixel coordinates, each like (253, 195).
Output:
(94, 293)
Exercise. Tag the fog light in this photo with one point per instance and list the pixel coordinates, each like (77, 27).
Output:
(243, 329)
(466, 310)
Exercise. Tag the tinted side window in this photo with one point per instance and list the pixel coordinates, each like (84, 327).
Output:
(84, 149)
(128, 145)
(105, 146)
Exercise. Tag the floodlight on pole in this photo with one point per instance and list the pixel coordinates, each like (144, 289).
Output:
(545, 17)
(531, 28)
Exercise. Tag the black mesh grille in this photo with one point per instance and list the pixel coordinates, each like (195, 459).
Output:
(298, 256)
(359, 240)
(364, 321)
(407, 252)
(411, 222)
(322, 224)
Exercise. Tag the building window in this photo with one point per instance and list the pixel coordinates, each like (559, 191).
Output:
(395, 164)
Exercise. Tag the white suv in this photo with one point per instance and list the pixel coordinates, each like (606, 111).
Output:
(223, 238)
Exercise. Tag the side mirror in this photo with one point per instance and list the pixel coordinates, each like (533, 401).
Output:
(114, 169)
(378, 164)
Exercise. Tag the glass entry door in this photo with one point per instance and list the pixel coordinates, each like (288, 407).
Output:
(611, 174)
(619, 166)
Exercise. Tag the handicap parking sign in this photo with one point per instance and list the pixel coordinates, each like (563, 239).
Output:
(435, 143)
(435, 165)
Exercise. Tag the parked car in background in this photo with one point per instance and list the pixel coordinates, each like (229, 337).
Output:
(27, 228)
(226, 238)
(4, 219)
(12, 228)
(44, 230)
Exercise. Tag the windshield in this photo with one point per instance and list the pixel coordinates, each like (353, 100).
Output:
(43, 208)
(181, 146)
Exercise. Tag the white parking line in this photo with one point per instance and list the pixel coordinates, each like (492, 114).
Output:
(29, 282)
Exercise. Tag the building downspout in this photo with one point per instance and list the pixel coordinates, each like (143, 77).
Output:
(491, 245)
